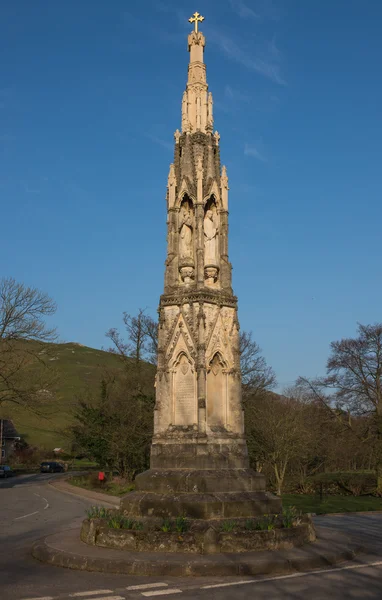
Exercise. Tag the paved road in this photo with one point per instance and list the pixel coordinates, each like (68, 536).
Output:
(31, 509)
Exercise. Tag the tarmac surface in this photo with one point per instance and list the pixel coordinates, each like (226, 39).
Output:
(31, 509)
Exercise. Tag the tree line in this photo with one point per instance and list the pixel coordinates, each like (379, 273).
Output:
(331, 423)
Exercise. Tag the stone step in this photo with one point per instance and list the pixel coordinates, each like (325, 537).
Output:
(223, 505)
(171, 481)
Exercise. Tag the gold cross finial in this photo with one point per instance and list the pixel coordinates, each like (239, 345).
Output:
(196, 18)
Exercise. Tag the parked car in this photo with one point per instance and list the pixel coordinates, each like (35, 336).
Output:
(6, 471)
(51, 467)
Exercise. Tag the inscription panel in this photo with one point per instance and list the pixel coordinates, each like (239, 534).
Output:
(216, 394)
(184, 394)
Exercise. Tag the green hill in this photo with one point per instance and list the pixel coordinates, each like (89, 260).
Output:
(80, 370)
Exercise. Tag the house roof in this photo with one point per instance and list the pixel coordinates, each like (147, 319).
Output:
(9, 430)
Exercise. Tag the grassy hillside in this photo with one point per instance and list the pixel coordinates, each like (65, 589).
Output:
(79, 370)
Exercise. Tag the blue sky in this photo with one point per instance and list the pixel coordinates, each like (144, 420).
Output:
(90, 95)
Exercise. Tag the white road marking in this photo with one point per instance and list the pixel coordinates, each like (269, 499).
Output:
(162, 592)
(109, 598)
(93, 593)
(47, 503)
(146, 586)
(336, 569)
(28, 515)
(41, 598)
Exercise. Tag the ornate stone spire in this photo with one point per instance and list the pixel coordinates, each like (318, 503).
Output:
(197, 102)
(198, 422)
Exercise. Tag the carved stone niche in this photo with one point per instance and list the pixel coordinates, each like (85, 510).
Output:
(184, 397)
(217, 392)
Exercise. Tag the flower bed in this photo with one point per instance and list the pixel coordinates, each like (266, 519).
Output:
(271, 532)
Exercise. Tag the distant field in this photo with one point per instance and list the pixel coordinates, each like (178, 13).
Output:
(80, 370)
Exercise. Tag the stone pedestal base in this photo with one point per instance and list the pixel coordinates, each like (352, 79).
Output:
(199, 477)
(201, 494)
(199, 452)
(223, 505)
(199, 481)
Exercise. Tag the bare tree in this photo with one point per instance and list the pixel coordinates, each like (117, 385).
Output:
(22, 312)
(151, 330)
(276, 432)
(257, 376)
(24, 370)
(142, 333)
(353, 387)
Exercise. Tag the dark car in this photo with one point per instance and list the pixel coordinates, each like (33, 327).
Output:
(6, 471)
(51, 467)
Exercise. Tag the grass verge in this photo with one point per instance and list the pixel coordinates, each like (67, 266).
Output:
(113, 487)
(332, 504)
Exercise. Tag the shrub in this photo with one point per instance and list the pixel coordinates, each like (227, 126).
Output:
(290, 517)
(181, 524)
(228, 526)
(166, 526)
(355, 483)
(98, 512)
(266, 523)
(118, 521)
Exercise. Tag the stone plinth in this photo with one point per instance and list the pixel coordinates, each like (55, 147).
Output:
(199, 540)
(199, 452)
(211, 505)
(204, 481)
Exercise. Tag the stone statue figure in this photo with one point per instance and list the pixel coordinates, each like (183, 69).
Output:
(210, 240)
(185, 234)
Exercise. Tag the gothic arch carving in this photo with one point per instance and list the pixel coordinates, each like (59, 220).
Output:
(214, 194)
(218, 338)
(180, 340)
(217, 357)
(180, 357)
(185, 192)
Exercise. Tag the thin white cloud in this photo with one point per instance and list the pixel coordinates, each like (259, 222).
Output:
(258, 9)
(243, 10)
(267, 65)
(160, 141)
(255, 152)
(235, 95)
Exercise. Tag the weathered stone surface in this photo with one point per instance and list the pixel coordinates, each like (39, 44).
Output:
(89, 531)
(199, 481)
(199, 540)
(177, 452)
(63, 550)
(277, 539)
(219, 505)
